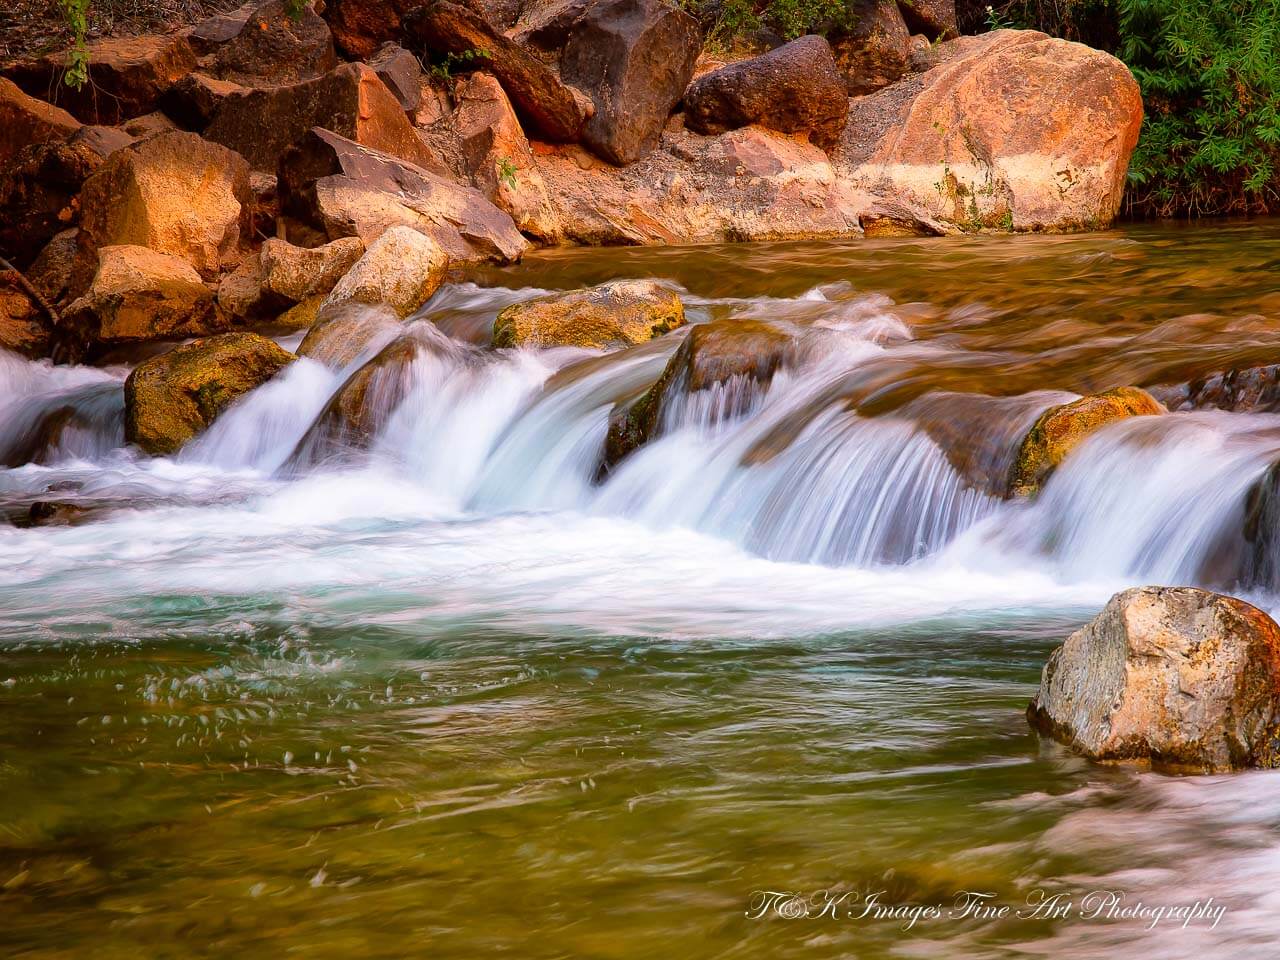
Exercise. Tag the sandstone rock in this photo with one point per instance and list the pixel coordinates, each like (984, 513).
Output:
(1061, 429)
(495, 151)
(297, 273)
(50, 272)
(193, 100)
(176, 194)
(796, 88)
(206, 36)
(401, 269)
(634, 58)
(139, 295)
(272, 48)
(361, 26)
(39, 195)
(748, 184)
(618, 313)
(25, 120)
(545, 25)
(24, 326)
(546, 106)
(1183, 678)
(936, 19)
(350, 101)
(344, 331)
(1011, 130)
(171, 398)
(875, 50)
(737, 357)
(401, 72)
(1240, 389)
(301, 316)
(127, 76)
(331, 187)
(240, 294)
(149, 125)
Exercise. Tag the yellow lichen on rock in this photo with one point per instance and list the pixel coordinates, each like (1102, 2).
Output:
(620, 313)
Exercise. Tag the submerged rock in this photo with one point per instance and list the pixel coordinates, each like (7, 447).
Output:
(1061, 429)
(1240, 389)
(344, 331)
(402, 269)
(171, 398)
(618, 313)
(1186, 679)
(796, 88)
(737, 356)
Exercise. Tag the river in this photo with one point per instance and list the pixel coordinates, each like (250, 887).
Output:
(457, 697)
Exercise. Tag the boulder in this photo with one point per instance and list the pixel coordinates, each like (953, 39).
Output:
(545, 25)
(207, 35)
(401, 72)
(40, 194)
(935, 19)
(24, 327)
(1184, 679)
(273, 48)
(634, 58)
(748, 184)
(25, 120)
(241, 297)
(344, 331)
(139, 295)
(50, 272)
(547, 107)
(361, 26)
(615, 314)
(350, 101)
(127, 77)
(175, 194)
(149, 125)
(171, 398)
(331, 187)
(297, 273)
(1060, 429)
(1240, 389)
(875, 49)
(1011, 130)
(193, 101)
(498, 156)
(796, 88)
(737, 357)
(401, 269)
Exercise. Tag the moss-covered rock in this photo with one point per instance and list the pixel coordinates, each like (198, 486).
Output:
(1060, 430)
(171, 398)
(619, 313)
(713, 354)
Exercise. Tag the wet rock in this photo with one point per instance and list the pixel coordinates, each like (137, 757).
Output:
(736, 357)
(331, 187)
(619, 313)
(40, 195)
(127, 77)
(401, 269)
(936, 19)
(171, 398)
(1185, 679)
(401, 72)
(634, 58)
(350, 101)
(273, 48)
(546, 105)
(297, 273)
(796, 88)
(139, 295)
(1241, 389)
(1011, 130)
(1261, 562)
(874, 50)
(24, 121)
(344, 331)
(1060, 429)
(498, 156)
(24, 326)
(193, 100)
(175, 194)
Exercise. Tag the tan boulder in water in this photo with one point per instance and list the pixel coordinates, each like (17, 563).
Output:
(296, 273)
(1061, 429)
(171, 398)
(344, 331)
(1011, 130)
(1185, 679)
(402, 269)
(619, 313)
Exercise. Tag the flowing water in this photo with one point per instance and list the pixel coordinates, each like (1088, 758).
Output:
(455, 695)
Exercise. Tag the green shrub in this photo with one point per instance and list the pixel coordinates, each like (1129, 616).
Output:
(735, 23)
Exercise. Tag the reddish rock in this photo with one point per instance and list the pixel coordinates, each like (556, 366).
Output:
(875, 50)
(351, 101)
(127, 77)
(273, 48)
(796, 88)
(401, 72)
(24, 326)
(634, 58)
(25, 120)
(193, 100)
(936, 19)
(361, 26)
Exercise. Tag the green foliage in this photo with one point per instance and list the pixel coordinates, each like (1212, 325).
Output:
(443, 70)
(295, 9)
(507, 172)
(733, 23)
(76, 14)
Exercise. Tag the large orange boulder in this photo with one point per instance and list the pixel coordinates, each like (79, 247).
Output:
(24, 121)
(273, 47)
(1011, 130)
